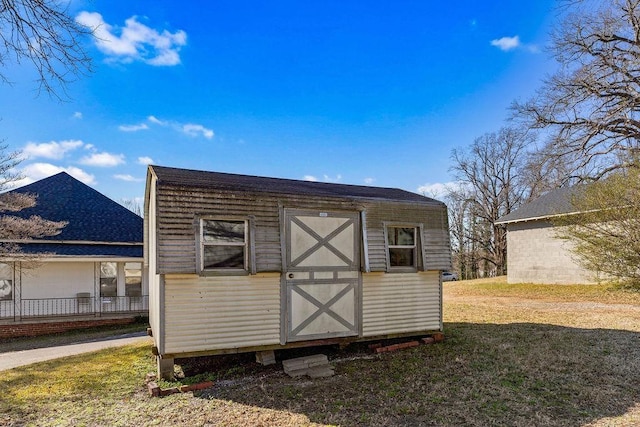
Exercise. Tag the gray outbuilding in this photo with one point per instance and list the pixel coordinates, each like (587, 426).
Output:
(535, 253)
(242, 263)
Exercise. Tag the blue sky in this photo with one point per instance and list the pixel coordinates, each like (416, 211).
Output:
(357, 92)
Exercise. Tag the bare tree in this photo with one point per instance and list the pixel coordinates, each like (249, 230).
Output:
(456, 208)
(542, 173)
(42, 32)
(491, 170)
(15, 229)
(590, 107)
(468, 256)
(462, 229)
(133, 205)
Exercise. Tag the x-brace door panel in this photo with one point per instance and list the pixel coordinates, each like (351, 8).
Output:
(322, 277)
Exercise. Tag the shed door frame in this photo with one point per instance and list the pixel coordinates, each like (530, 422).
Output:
(339, 284)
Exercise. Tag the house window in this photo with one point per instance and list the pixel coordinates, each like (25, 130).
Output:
(108, 279)
(6, 282)
(223, 245)
(402, 247)
(133, 279)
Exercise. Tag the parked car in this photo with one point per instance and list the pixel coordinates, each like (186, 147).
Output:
(448, 276)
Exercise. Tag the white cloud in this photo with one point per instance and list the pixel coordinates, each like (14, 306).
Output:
(50, 150)
(166, 58)
(135, 42)
(133, 128)
(192, 129)
(36, 171)
(437, 190)
(77, 115)
(145, 160)
(127, 178)
(325, 178)
(532, 48)
(80, 175)
(103, 159)
(369, 181)
(506, 43)
(154, 119)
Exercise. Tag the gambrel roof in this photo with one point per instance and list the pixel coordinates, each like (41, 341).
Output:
(96, 224)
(256, 184)
(555, 202)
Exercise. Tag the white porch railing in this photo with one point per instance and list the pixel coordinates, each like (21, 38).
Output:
(6, 308)
(78, 306)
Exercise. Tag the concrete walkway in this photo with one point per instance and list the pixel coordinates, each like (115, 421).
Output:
(13, 359)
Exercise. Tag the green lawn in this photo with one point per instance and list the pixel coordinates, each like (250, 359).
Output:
(513, 355)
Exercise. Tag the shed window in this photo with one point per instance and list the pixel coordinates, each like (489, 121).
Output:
(402, 248)
(223, 245)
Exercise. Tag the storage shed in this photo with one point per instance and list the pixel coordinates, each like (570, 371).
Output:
(242, 263)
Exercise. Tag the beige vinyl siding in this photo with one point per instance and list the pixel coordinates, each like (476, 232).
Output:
(179, 222)
(181, 207)
(437, 248)
(211, 313)
(400, 302)
(155, 307)
(435, 236)
(151, 261)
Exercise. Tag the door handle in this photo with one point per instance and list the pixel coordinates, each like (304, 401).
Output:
(290, 275)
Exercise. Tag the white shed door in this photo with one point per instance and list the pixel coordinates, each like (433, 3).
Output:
(322, 276)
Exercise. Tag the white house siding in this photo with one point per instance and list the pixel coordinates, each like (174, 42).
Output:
(395, 303)
(537, 255)
(211, 313)
(58, 280)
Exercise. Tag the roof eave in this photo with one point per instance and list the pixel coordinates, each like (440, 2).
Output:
(535, 218)
(355, 198)
(164, 181)
(71, 242)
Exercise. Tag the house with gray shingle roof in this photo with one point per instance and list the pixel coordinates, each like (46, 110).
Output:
(243, 263)
(91, 270)
(535, 253)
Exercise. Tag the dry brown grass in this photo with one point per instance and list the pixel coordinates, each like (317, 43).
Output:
(498, 287)
(518, 356)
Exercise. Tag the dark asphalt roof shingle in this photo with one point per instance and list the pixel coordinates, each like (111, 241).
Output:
(255, 184)
(555, 202)
(91, 216)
